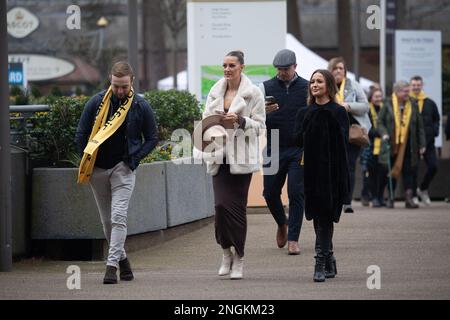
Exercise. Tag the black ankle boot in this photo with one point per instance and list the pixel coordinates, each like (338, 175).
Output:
(319, 269)
(110, 275)
(125, 270)
(330, 267)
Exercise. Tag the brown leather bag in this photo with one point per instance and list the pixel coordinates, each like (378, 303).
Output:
(358, 136)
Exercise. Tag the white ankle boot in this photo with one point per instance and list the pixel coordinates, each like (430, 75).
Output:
(237, 270)
(227, 261)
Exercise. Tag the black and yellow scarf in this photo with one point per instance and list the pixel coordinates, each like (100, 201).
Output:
(374, 116)
(102, 130)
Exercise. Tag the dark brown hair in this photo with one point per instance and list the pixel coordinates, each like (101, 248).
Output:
(330, 84)
(372, 92)
(417, 78)
(238, 54)
(334, 62)
(122, 69)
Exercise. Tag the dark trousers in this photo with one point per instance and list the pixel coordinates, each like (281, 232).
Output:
(431, 162)
(353, 152)
(324, 229)
(377, 179)
(409, 172)
(289, 166)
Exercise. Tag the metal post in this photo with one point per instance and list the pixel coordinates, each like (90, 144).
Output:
(132, 41)
(383, 46)
(356, 38)
(5, 153)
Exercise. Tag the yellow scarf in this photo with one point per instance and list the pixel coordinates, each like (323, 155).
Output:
(340, 94)
(376, 141)
(102, 130)
(401, 125)
(420, 99)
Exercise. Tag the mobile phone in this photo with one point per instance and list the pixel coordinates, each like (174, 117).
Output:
(270, 99)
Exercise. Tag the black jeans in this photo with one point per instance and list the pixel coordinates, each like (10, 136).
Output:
(431, 162)
(324, 229)
(289, 166)
(377, 179)
(353, 153)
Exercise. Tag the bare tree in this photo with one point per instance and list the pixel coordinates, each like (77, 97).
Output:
(293, 19)
(344, 22)
(174, 13)
(154, 46)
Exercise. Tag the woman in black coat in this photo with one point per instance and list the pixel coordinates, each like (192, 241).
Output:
(322, 131)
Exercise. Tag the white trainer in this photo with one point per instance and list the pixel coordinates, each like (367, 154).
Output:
(227, 261)
(416, 200)
(237, 269)
(424, 197)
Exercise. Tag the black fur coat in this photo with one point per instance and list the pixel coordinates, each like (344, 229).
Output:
(323, 133)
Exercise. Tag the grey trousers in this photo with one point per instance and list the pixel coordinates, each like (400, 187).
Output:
(112, 190)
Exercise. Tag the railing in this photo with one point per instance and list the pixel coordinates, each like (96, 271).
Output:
(21, 124)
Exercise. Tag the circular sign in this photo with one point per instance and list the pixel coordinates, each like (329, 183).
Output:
(21, 22)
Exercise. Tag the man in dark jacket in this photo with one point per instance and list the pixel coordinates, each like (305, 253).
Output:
(431, 122)
(400, 125)
(290, 93)
(110, 135)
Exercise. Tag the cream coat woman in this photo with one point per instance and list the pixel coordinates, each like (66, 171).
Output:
(248, 104)
(243, 109)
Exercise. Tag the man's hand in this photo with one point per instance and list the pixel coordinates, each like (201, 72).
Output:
(385, 137)
(270, 107)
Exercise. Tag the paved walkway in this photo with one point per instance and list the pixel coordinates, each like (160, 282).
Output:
(411, 248)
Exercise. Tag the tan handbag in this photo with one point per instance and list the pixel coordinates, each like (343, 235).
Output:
(358, 136)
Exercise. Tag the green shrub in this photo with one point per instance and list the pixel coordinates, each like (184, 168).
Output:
(174, 110)
(52, 139)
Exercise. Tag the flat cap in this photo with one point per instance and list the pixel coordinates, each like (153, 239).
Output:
(284, 58)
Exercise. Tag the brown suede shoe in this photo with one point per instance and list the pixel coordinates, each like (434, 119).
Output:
(282, 235)
(293, 248)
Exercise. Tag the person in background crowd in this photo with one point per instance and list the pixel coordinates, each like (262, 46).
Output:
(377, 172)
(351, 96)
(431, 122)
(400, 124)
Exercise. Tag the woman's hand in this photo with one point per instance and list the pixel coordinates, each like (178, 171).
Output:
(230, 118)
(346, 106)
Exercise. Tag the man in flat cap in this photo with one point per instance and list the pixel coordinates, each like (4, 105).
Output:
(285, 94)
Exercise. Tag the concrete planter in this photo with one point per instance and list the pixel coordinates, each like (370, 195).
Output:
(61, 209)
(165, 195)
(189, 193)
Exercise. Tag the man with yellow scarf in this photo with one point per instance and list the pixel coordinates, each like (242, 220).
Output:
(109, 136)
(399, 123)
(431, 121)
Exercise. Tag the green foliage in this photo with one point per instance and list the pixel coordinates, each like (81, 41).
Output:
(53, 138)
(35, 92)
(56, 91)
(163, 152)
(174, 110)
(15, 91)
(160, 153)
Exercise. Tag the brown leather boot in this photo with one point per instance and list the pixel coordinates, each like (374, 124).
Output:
(282, 235)
(409, 203)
